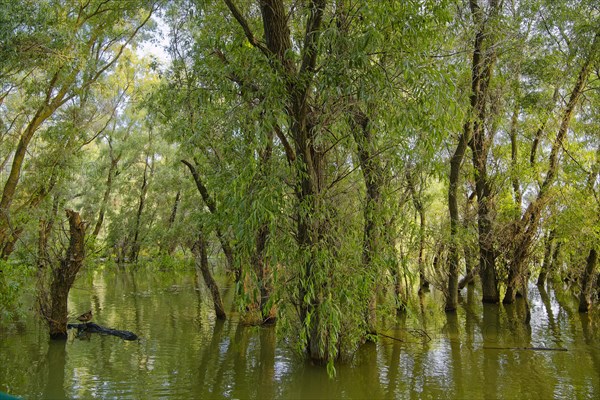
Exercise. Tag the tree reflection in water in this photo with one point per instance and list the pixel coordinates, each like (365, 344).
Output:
(184, 352)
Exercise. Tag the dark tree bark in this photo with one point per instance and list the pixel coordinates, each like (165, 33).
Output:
(200, 252)
(587, 281)
(471, 270)
(54, 308)
(473, 136)
(309, 164)
(212, 207)
(418, 204)
(310, 171)
(10, 242)
(261, 263)
(514, 157)
(173, 215)
(90, 327)
(373, 220)
(547, 261)
(453, 256)
(483, 66)
(394, 266)
(44, 231)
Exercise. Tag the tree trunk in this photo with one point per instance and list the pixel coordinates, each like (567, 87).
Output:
(310, 171)
(63, 276)
(547, 262)
(200, 252)
(511, 291)
(394, 267)
(514, 157)
(373, 221)
(418, 204)
(264, 275)
(321, 345)
(10, 243)
(479, 65)
(30, 205)
(453, 256)
(483, 64)
(264, 306)
(168, 246)
(12, 181)
(540, 131)
(469, 278)
(212, 207)
(587, 281)
(135, 244)
(112, 170)
(172, 243)
(45, 229)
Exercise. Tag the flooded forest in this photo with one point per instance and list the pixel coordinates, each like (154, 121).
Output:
(299, 199)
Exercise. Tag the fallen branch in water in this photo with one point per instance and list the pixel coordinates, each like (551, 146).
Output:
(420, 333)
(390, 337)
(417, 333)
(526, 348)
(91, 327)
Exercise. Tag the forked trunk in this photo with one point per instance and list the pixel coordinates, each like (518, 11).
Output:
(63, 276)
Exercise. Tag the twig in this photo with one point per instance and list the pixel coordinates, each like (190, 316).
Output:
(526, 348)
(390, 337)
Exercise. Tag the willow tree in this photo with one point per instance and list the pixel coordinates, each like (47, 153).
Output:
(54, 53)
(527, 225)
(295, 67)
(476, 136)
(391, 98)
(314, 64)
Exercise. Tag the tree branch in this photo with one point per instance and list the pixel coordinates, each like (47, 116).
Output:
(311, 38)
(209, 201)
(247, 31)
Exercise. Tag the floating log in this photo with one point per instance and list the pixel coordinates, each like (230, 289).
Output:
(91, 327)
(526, 348)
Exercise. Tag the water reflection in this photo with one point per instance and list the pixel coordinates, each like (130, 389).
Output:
(481, 351)
(56, 362)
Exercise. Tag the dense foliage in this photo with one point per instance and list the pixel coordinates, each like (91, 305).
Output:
(331, 157)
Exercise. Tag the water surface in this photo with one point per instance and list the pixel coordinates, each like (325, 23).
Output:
(182, 353)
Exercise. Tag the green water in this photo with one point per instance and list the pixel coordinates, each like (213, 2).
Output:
(183, 353)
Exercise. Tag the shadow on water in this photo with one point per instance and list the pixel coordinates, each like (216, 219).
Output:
(481, 351)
